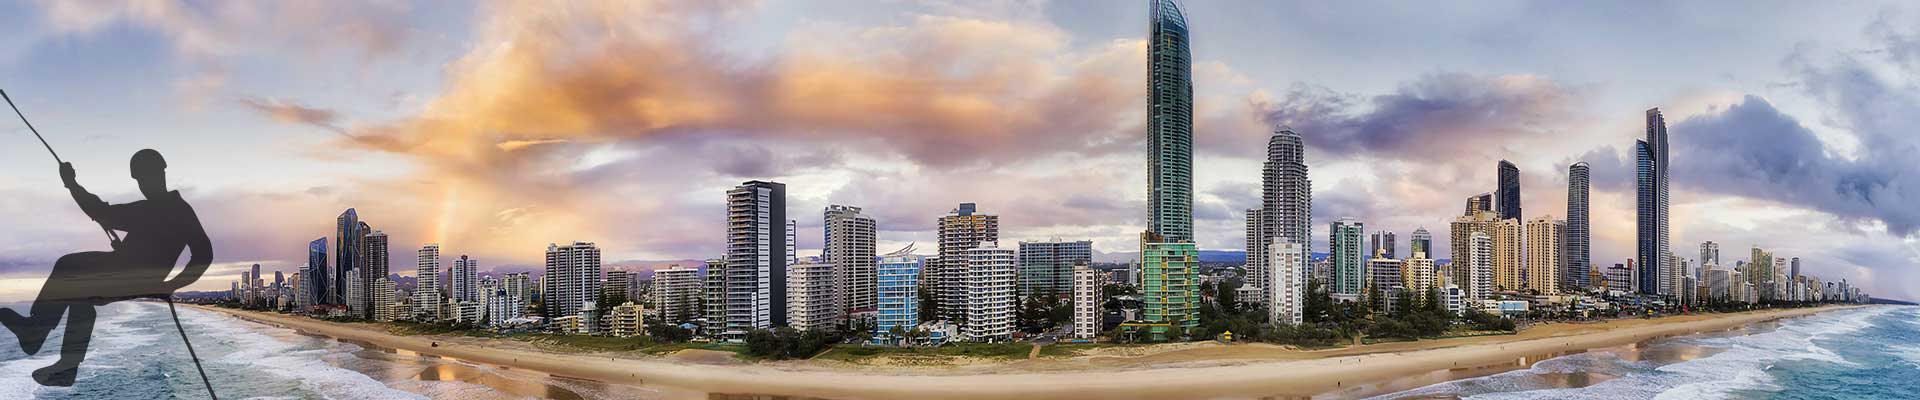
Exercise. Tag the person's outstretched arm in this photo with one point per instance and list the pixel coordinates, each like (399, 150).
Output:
(98, 210)
(202, 249)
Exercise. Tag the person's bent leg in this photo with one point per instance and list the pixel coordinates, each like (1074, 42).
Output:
(73, 349)
(60, 291)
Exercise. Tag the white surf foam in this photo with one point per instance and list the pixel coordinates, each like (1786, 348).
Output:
(256, 351)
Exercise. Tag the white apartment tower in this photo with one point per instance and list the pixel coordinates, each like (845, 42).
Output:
(849, 247)
(811, 301)
(676, 294)
(1087, 285)
(426, 296)
(1286, 286)
(989, 302)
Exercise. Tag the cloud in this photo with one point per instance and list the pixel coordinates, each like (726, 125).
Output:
(1439, 116)
(294, 113)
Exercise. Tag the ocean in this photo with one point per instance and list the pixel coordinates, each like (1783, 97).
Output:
(1866, 353)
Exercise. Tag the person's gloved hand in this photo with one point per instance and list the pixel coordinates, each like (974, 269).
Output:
(66, 173)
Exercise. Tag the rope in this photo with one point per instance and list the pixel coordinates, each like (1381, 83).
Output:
(196, 357)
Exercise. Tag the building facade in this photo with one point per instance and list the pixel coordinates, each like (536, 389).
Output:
(1286, 286)
(1170, 286)
(960, 230)
(990, 304)
(1046, 268)
(426, 294)
(1349, 265)
(849, 247)
(897, 292)
(1508, 191)
(676, 294)
(1579, 238)
(1286, 205)
(811, 297)
(758, 252)
(572, 280)
(1087, 286)
(1544, 260)
(1651, 203)
(1169, 124)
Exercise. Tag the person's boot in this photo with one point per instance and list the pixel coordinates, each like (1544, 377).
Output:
(15, 322)
(58, 374)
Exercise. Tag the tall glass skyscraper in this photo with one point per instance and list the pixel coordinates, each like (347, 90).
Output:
(316, 274)
(1286, 205)
(1509, 191)
(1169, 124)
(1579, 255)
(1651, 203)
(1349, 267)
(346, 255)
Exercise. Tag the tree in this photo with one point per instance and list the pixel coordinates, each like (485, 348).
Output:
(1318, 306)
(929, 304)
(669, 333)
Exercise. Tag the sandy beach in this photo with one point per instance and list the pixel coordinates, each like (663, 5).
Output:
(1183, 371)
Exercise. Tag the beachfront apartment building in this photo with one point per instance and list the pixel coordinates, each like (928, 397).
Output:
(572, 279)
(1507, 268)
(1545, 238)
(426, 294)
(811, 302)
(1479, 268)
(1417, 274)
(849, 246)
(1170, 287)
(1348, 256)
(676, 294)
(897, 293)
(989, 304)
(1286, 286)
(627, 320)
(753, 275)
(1087, 286)
(1047, 267)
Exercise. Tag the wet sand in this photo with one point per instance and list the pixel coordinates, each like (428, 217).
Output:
(1192, 371)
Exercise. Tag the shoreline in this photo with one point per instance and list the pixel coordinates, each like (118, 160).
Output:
(1246, 370)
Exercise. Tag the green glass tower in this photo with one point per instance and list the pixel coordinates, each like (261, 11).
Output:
(1169, 124)
(1170, 289)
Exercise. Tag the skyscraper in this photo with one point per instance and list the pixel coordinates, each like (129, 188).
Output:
(849, 247)
(316, 278)
(1507, 261)
(1709, 255)
(898, 287)
(990, 303)
(1462, 229)
(1169, 124)
(1381, 243)
(1422, 243)
(1651, 202)
(1509, 191)
(755, 269)
(960, 230)
(1579, 246)
(1544, 236)
(1479, 202)
(1286, 201)
(810, 297)
(676, 293)
(1047, 267)
(463, 280)
(346, 255)
(1086, 301)
(374, 266)
(1349, 258)
(1170, 286)
(1479, 267)
(572, 279)
(426, 296)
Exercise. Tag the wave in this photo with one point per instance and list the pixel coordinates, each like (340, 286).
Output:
(251, 350)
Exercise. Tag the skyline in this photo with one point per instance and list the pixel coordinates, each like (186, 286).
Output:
(477, 182)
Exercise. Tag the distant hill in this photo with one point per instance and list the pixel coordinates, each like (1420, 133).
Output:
(1891, 301)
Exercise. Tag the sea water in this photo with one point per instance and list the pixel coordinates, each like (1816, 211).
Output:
(1864, 353)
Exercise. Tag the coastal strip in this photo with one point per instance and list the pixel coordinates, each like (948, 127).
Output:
(1299, 376)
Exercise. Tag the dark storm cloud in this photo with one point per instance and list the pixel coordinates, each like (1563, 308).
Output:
(1436, 116)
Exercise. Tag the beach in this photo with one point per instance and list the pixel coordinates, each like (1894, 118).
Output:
(1193, 371)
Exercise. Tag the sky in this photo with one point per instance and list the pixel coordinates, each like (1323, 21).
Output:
(497, 128)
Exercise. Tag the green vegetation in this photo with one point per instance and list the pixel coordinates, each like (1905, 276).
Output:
(788, 343)
(1002, 351)
(1042, 312)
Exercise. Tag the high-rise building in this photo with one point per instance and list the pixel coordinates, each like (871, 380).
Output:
(849, 247)
(426, 295)
(1760, 273)
(572, 280)
(1545, 236)
(1384, 278)
(676, 294)
(317, 280)
(1479, 268)
(1461, 231)
(381, 299)
(1651, 203)
(1046, 268)
(463, 280)
(1349, 265)
(375, 264)
(990, 304)
(755, 269)
(346, 255)
(898, 293)
(1579, 245)
(1286, 286)
(713, 296)
(810, 297)
(1170, 285)
(520, 285)
(1509, 191)
(1418, 275)
(1169, 124)
(1507, 253)
(1286, 201)
(1479, 202)
(1087, 285)
(1709, 255)
(1381, 244)
(960, 230)
(1422, 243)
(617, 288)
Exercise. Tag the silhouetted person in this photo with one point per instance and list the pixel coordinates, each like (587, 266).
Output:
(157, 228)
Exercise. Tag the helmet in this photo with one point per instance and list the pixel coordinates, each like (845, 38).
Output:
(148, 161)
